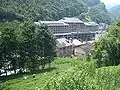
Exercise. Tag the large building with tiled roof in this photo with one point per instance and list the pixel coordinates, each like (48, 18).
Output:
(71, 28)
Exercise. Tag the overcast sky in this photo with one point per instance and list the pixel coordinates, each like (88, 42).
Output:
(111, 2)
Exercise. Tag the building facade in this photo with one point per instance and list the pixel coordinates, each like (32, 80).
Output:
(64, 47)
(92, 26)
(74, 47)
(55, 27)
(72, 28)
(75, 25)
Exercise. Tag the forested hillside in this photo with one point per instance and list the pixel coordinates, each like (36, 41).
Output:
(115, 11)
(53, 10)
(99, 13)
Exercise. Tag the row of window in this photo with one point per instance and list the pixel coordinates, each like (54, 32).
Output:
(77, 36)
(60, 27)
(55, 31)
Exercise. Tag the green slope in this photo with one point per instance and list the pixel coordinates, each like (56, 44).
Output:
(67, 74)
(48, 9)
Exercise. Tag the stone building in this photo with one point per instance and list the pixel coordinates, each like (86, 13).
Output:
(68, 48)
(64, 48)
(81, 48)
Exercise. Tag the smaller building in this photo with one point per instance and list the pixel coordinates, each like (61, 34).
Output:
(64, 48)
(68, 48)
(81, 48)
(92, 26)
(103, 26)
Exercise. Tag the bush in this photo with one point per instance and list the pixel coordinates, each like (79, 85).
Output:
(107, 49)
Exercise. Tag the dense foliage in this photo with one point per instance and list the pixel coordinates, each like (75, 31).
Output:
(107, 49)
(68, 74)
(52, 10)
(85, 76)
(25, 46)
(99, 13)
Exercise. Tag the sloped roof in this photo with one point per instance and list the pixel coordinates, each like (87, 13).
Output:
(91, 24)
(87, 47)
(62, 34)
(52, 23)
(76, 42)
(63, 42)
(71, 20)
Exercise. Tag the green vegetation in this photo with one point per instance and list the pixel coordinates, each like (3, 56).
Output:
(98, 13)
(107, 50)
(67, 74)
(25, 46)
(53, 10)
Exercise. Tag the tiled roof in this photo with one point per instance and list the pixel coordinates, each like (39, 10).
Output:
(87, 47)
(76, 42)
(63, 42)
(71, 20)
(91, 24)
(52, 23)
(63, 34)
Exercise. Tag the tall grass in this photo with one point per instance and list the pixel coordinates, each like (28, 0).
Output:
(85, 76)
(68, 74)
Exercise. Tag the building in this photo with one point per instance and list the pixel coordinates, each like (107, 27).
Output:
(56, 26)
(81, 48)
(72, 28)
(68, 48)
(103, 26)
(64, 48)
(75, 25)
(83, 36)
(92, 26)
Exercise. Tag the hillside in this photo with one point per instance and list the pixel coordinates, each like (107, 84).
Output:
(67, 74)
(115, 11)
(99, 13)
(51, 10)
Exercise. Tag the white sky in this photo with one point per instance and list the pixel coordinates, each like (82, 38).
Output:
(111, 2)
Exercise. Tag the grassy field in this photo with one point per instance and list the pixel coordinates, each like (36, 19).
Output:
(67, 74)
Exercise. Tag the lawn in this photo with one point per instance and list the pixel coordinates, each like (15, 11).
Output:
(16, 82)
(67, 74)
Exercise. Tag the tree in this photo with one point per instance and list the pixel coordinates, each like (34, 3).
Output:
(51, 10)
(107, 49)
(8, 46)
(48, 46)
(99, 14)
(23, 46)
(38, 44)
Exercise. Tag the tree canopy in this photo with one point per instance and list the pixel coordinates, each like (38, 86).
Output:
(99, 13)
(107, 49)
(53, 10)
(25, 46)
